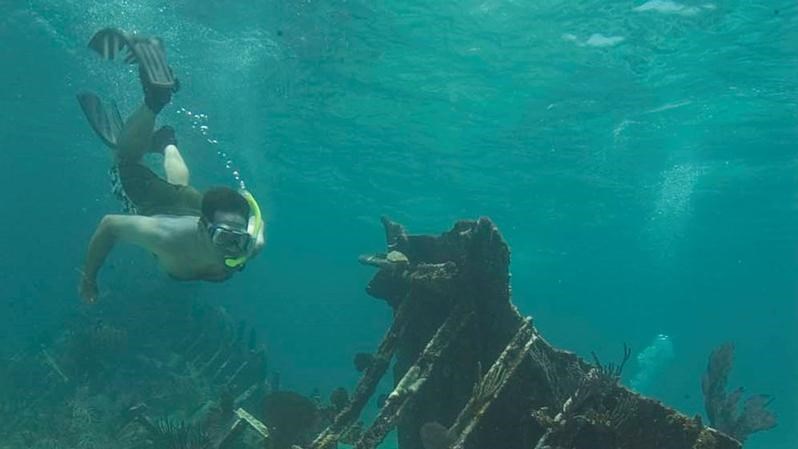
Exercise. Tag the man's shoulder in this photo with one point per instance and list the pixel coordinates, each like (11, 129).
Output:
(176, 218)
(176, 222)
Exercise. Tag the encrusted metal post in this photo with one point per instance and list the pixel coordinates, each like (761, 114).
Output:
(415, 377)
(367, 384)
(242, 421)
(492, 383)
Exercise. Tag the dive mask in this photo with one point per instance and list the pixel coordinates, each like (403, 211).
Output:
(239, 240)
(227, 237)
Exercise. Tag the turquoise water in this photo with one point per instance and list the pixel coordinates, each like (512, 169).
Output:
(639, 157)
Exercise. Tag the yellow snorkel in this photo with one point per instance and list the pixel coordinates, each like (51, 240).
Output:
(254, 227)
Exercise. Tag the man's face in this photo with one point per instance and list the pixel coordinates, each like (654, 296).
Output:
(228, 232)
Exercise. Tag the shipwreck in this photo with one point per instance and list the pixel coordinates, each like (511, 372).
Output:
(469, 372)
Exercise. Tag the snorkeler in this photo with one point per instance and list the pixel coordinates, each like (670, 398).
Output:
(193, 236)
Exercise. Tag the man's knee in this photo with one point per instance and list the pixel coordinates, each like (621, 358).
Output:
(178, 176)
(175, 167)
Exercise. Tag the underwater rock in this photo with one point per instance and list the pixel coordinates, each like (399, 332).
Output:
(291, 417)
(651, 361)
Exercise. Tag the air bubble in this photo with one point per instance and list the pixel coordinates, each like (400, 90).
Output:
(199, 121)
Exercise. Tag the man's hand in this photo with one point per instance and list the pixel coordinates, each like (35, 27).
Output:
(88, 289)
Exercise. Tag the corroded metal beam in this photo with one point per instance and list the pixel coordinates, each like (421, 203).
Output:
(415, 377)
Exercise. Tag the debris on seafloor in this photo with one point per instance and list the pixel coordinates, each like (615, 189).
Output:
(151, 375)
(452, 316)
(723, 409)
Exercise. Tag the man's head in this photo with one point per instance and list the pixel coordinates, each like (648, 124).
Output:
(225, 214)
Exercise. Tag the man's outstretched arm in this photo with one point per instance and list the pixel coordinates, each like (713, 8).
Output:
(141, 231)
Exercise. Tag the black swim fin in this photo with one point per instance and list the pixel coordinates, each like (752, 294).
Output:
(147, 52)
(106, 122)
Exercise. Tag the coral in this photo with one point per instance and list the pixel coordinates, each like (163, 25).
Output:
(723, 409)
(76, 390)
(89, 351)
(612, 370)
(488, 385)
(705, 440)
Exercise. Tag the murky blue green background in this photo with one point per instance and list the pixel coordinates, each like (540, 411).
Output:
(639, 157)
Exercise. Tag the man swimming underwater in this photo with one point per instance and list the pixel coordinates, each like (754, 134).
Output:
(194, 236)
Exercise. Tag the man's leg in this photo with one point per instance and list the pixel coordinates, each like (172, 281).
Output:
(136, 136)
(165, 142)
(174, 166)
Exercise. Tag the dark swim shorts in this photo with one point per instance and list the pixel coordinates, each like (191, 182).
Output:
(142, 192)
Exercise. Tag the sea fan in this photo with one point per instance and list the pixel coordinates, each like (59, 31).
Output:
(47, 443)
(83, 416)
(179, 435)
(88, 440)
(82, 413)
(723, 408)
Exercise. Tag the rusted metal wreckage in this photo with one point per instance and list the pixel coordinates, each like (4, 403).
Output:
(216, 354)
(472, 373)
(217, 359)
